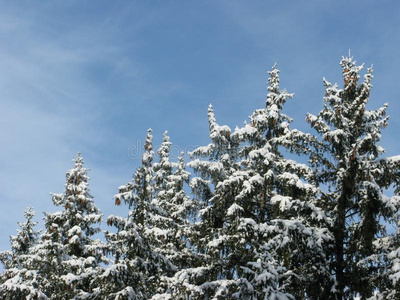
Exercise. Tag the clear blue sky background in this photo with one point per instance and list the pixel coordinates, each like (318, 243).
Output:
(92, 76)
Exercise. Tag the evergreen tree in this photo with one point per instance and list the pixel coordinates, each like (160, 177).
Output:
(347, 160)
(172, 206)
(138, 266)
(214, 274)
(69, 258)
(21, 243)
(171, 225)
(277, 200)
(20, 279)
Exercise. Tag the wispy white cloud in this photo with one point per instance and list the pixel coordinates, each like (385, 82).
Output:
(65, 85)
(48, 111)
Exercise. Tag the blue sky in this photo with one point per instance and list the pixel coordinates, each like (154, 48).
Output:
(92, 76)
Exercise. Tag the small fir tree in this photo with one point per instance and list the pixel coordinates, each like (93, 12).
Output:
(171, 225)
(68, 256)
(138, 266)
(20, 279)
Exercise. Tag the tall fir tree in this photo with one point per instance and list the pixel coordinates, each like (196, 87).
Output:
(277, 197)
(348, 162)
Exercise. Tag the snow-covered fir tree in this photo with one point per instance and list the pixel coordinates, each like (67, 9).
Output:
(348, 161)
(21, 279)
(171, 227)
(173, 206)
(277, 203)
(214, 274)
(138, 265)
(67, 255)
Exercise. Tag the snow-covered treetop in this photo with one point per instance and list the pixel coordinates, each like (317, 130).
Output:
(78, 160)
(275, 96)
(139, 192)
(344, 120)
(163, 151)
(219, 134)
(77, 193)
(26, 236)
(350, 71)
(147, 158)
(269, 122)
(164, 165)
(77, 202)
